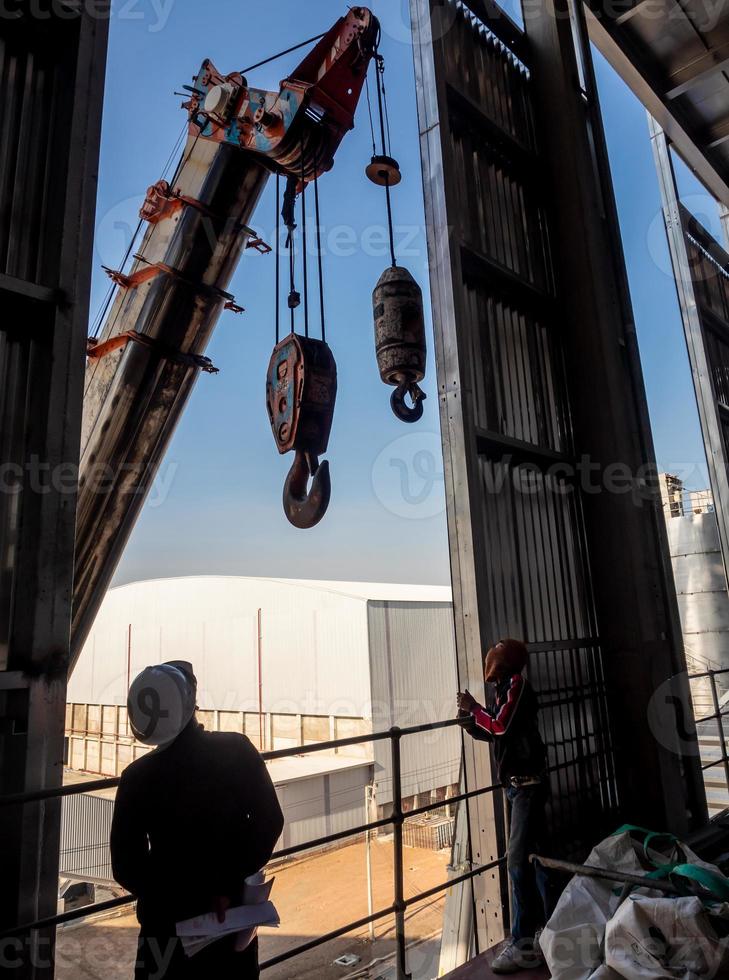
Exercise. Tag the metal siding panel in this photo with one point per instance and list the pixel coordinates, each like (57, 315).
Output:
(413, 667)
(321, 805)
(211, 621)
(85, 831)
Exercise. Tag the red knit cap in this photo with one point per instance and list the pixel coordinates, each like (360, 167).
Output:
(506, 658)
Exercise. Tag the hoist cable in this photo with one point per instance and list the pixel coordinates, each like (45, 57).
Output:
(292, 270)
(175, 149)
(274, 57)
(369, 110)
(387, 116)
(288, 213)
(319, 251)
(303, 242)
(379, 68)
(277, 246)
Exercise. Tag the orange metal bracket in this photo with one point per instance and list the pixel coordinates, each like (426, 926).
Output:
(95, 350)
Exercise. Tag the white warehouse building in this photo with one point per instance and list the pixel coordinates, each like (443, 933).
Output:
(286, 662)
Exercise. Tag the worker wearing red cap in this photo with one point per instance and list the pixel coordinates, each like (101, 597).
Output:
(510, 723)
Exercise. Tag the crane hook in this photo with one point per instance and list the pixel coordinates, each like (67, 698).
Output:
(305, 508)
(401, 408)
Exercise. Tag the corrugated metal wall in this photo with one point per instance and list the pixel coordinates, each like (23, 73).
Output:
(85, 830)
(708, 266)
(320, 805)
(34, 134)
(52, 60)
(313, 806)
(703, 600)
(36, 80)
(413, 670)
(212, 622)
(532, 573)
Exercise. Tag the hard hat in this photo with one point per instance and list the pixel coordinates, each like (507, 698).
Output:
(161, 702)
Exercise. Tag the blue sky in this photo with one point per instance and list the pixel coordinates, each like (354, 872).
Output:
(216, 507)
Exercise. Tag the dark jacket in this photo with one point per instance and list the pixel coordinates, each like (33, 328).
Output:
(190, 822)
(511, 725)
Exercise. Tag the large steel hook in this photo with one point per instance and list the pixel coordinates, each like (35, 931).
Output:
(305, 507)
(401, 408)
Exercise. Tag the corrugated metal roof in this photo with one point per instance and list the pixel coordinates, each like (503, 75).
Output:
(374, 591)
(674, 54)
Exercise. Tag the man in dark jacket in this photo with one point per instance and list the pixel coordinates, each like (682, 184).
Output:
(510, 723)
(192, 820)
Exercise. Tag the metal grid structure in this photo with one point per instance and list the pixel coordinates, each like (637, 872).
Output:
(396, 818)
(714, 719)
(538, 371)
(537, 578)
(51, 66)
(27, 803)
(701, 272)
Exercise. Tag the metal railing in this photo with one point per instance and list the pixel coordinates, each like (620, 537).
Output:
(396, 818)
(718, 716)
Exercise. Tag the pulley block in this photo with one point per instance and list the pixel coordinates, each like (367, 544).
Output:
(301, 391)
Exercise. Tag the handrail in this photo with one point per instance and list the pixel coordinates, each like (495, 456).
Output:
(718, 716)
(396, 818)
(15, 799)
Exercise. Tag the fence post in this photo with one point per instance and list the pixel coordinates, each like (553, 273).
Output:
(720, 726)
(398, 818)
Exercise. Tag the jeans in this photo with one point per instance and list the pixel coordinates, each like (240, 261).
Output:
(164, 959)
(532, 896)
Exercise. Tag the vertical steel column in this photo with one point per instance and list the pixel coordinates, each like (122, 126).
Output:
(637, 615)
(711, 425)
(430, 23)
(54, 78)
(398, 818)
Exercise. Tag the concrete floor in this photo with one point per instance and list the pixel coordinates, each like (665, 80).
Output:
(314, 895)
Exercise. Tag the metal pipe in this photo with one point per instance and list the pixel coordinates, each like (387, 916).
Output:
(368, 860)
(14, 799)
(129, 657)
(592, 871)
(398, 818)
(259, 642)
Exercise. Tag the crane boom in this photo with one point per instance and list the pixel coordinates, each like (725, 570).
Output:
(150, 350)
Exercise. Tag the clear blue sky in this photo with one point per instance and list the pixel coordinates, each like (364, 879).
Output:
(217, 505)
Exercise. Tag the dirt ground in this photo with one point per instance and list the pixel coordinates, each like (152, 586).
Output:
(314, 895)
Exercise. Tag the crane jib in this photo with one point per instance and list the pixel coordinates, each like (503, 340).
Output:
(172, 296)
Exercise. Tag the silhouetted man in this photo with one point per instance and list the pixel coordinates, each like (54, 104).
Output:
(192, 820)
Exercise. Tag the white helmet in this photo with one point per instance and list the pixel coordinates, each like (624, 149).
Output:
(161, 702)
